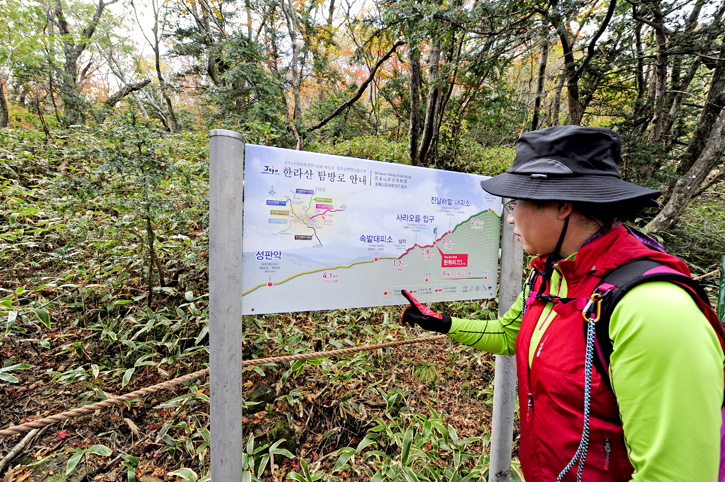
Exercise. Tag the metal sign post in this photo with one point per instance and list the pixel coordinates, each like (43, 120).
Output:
(226, 177)
(504, 382)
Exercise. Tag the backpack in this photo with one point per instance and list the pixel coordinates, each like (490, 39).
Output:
(619, 281)
(615, 285)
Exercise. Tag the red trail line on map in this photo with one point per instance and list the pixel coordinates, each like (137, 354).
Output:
(328, 211)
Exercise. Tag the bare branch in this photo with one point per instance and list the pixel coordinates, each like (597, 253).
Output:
(361, 89)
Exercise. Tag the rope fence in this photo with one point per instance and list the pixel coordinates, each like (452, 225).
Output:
(118, 400)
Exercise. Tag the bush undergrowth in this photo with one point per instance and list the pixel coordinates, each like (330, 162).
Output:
(104, 247)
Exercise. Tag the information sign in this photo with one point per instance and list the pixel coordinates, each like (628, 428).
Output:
(327, 232)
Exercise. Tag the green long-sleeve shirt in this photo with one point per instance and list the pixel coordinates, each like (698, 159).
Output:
(666, 370)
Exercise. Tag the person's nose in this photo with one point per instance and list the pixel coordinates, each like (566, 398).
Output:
(510, 218)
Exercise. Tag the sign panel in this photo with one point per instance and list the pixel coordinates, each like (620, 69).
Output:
(326, 232)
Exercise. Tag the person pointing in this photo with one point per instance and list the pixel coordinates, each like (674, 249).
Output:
(657, 414)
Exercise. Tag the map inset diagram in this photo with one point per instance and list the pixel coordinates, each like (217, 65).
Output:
(327, 232)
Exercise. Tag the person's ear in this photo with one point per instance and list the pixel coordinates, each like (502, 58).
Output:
(564, 209)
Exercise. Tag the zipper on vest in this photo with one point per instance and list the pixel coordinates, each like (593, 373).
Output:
(607, 451)
(530, 408)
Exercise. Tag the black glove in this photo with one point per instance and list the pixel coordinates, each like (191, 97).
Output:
(421, 315)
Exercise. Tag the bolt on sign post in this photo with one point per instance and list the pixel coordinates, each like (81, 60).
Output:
(721, 294)
(317, 232)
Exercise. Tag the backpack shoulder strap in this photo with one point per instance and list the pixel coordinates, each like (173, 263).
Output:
(620, 280)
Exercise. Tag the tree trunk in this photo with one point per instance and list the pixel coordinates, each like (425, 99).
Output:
(640, 102)
(415, 83)
(295, 67)
(74, 108)
(540, 84)
(248, 10)
(660, 76)
(689, 183)
(171, 123)
(639, 56)
(713, 107)
(680, 83)
(434, 95)
(4, 113)
(572, 81)
(574, 70)
(677, 100)
(556, 103)
(325, 52)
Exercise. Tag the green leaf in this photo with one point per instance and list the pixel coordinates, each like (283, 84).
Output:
(12, 316)
(101, 450)
(407, 441)
(306, 470)
(410, 475)
(262, 465)
(18, 366)
(202, 334)
(246, 476)
(8, 378)
(379, 428)
(377, 477)
(127, 376)
(277, 451)
(73, 461)
(131, 464)
(329, 433)
(364, 443)
(143, 361)
(453, 434)
(347, 453)
(43, 316)
(187, 474)
(375, 453)
(19, 290)
(250, 445)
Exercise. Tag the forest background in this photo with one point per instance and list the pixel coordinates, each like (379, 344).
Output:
(105, 112)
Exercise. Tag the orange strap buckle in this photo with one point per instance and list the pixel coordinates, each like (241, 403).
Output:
(593, 307)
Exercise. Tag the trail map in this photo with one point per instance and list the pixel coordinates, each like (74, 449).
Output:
(327, 232)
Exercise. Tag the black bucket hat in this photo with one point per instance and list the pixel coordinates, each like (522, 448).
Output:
(568, 163)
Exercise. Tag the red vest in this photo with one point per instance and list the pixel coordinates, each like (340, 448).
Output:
(551, 391)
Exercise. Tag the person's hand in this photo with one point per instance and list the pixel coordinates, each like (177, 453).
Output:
(421, 315)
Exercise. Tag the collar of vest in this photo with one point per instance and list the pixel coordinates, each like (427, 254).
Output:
(600, 256)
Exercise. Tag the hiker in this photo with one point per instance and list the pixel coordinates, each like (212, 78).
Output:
(661, 419)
